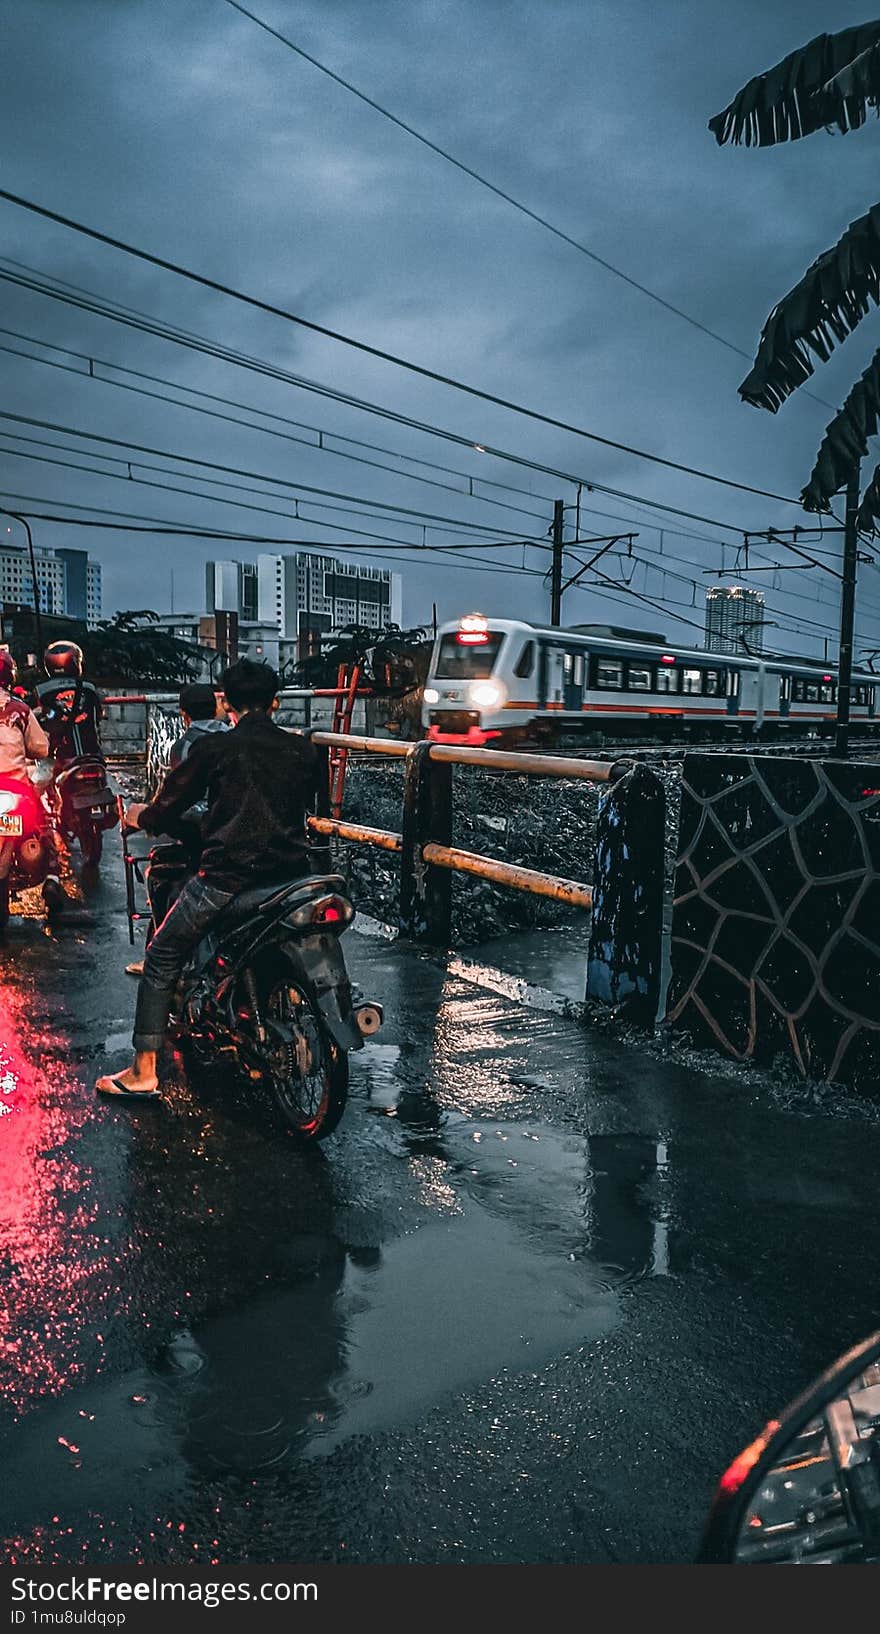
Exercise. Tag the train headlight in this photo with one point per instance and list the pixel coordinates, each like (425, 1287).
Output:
(486, 694)
(431, 695)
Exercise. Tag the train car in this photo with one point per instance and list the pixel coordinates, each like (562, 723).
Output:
(505, 681)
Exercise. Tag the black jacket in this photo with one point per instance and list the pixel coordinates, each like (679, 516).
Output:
(70, 733)
(258, 782)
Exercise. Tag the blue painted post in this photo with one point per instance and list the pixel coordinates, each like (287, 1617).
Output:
(626, 933)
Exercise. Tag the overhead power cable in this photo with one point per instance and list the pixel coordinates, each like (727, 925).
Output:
(324, 435)
(158, 525)
(421, 517)
(507, 198)
(378, 352)
(73, 295)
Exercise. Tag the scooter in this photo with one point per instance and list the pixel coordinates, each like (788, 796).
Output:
(807, 1490)
(268, 990)
(86, 805)
(27, 854)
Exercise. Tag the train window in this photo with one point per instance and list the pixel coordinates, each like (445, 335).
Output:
(693, 681)
(712, 685)
(638, 678)
(578, 671)
(609, 673)
(667, 679)
(826, 693)
(733, 683)
(459, 661)
(525, 662)
(785, 689)
(811, 692)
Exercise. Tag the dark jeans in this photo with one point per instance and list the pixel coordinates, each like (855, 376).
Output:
(183, 927)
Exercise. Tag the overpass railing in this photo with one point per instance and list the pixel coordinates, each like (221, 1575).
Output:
(626, 894)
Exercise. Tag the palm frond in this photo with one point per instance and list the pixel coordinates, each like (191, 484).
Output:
(830, 301)
(868, 519)
(846, 440)
(794, 98)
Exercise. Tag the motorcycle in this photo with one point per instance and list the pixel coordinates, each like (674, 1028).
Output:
(268, 989)
(26, 851)
(807, 1490)
(86, 806)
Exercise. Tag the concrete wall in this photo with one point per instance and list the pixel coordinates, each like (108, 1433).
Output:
(776, 920)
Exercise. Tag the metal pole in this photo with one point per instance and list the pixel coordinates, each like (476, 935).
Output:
(37, 619)
(847, 614)
(556, 569)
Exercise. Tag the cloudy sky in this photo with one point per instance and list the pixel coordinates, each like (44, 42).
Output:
(180, 126)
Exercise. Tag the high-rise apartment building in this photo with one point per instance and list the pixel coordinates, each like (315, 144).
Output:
(734, 619)
(68, 581)
(304, 593)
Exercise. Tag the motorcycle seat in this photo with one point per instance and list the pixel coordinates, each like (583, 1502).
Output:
(266, 898)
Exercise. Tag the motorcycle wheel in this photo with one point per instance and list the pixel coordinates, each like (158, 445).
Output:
(91, 844)
(308, 1073)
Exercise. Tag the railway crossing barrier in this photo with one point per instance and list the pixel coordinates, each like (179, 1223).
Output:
(626, 896)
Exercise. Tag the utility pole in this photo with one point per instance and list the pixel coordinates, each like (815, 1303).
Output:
(847, 613)
(556, 569)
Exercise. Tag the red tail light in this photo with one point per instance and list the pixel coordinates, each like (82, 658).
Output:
(327, 910)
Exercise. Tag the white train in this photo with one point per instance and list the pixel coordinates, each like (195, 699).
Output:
(501, 680)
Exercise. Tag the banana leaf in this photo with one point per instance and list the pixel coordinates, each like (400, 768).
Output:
(830, 301)
(868, 519)
(794, 98)
(846, 440)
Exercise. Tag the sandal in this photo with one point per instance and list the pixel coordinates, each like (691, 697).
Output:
(115, 1088)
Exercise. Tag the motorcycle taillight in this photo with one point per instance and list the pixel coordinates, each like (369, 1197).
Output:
(333, 911)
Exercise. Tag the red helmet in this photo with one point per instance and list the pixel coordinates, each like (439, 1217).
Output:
(63, 658)
(8, 671)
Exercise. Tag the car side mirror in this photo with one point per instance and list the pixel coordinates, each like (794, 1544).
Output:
(807, 1491)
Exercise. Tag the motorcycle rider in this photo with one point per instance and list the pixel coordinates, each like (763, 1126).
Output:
(202, 712)
(258, 782)
(68, 705)
(22, 739)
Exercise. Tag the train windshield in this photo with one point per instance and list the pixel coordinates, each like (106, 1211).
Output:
(467, 656)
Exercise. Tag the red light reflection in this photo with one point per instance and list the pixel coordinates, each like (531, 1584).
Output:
(54, 1264)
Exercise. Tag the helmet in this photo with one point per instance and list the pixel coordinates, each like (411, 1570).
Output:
(8, 671)
(63, 658)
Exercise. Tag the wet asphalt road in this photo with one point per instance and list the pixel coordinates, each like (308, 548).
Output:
(523, 1307)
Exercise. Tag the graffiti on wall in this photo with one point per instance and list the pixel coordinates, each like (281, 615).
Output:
(776, 921)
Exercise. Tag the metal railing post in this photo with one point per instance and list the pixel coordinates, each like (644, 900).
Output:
(626, 934)
(425, 890)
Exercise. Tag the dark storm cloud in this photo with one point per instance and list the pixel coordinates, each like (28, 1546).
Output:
(187, 130)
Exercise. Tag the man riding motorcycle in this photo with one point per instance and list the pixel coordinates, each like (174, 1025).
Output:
(68, 705)
(22, 739)
(257, 781)
(202, 712)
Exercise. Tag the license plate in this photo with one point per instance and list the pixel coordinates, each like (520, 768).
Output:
(10, 826)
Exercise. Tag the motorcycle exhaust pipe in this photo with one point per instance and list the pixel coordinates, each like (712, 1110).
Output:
(30, 854)
(369, 1018)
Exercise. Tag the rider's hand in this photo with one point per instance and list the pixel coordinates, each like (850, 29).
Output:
(133, 814)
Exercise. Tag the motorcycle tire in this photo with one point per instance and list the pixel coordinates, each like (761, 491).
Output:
(308, 1077)
(91, 844)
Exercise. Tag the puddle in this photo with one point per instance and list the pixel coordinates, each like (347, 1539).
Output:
(552, 960)
(530, 1238)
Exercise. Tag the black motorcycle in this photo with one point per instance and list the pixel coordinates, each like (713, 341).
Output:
(85, 804)
(268, 990)
(807, 1490)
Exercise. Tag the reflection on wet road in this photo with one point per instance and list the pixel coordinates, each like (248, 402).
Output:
(216, 1347)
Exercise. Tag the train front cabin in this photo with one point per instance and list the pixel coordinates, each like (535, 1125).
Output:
(502, 680)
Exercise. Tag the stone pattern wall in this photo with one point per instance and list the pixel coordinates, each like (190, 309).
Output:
(776, 920)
